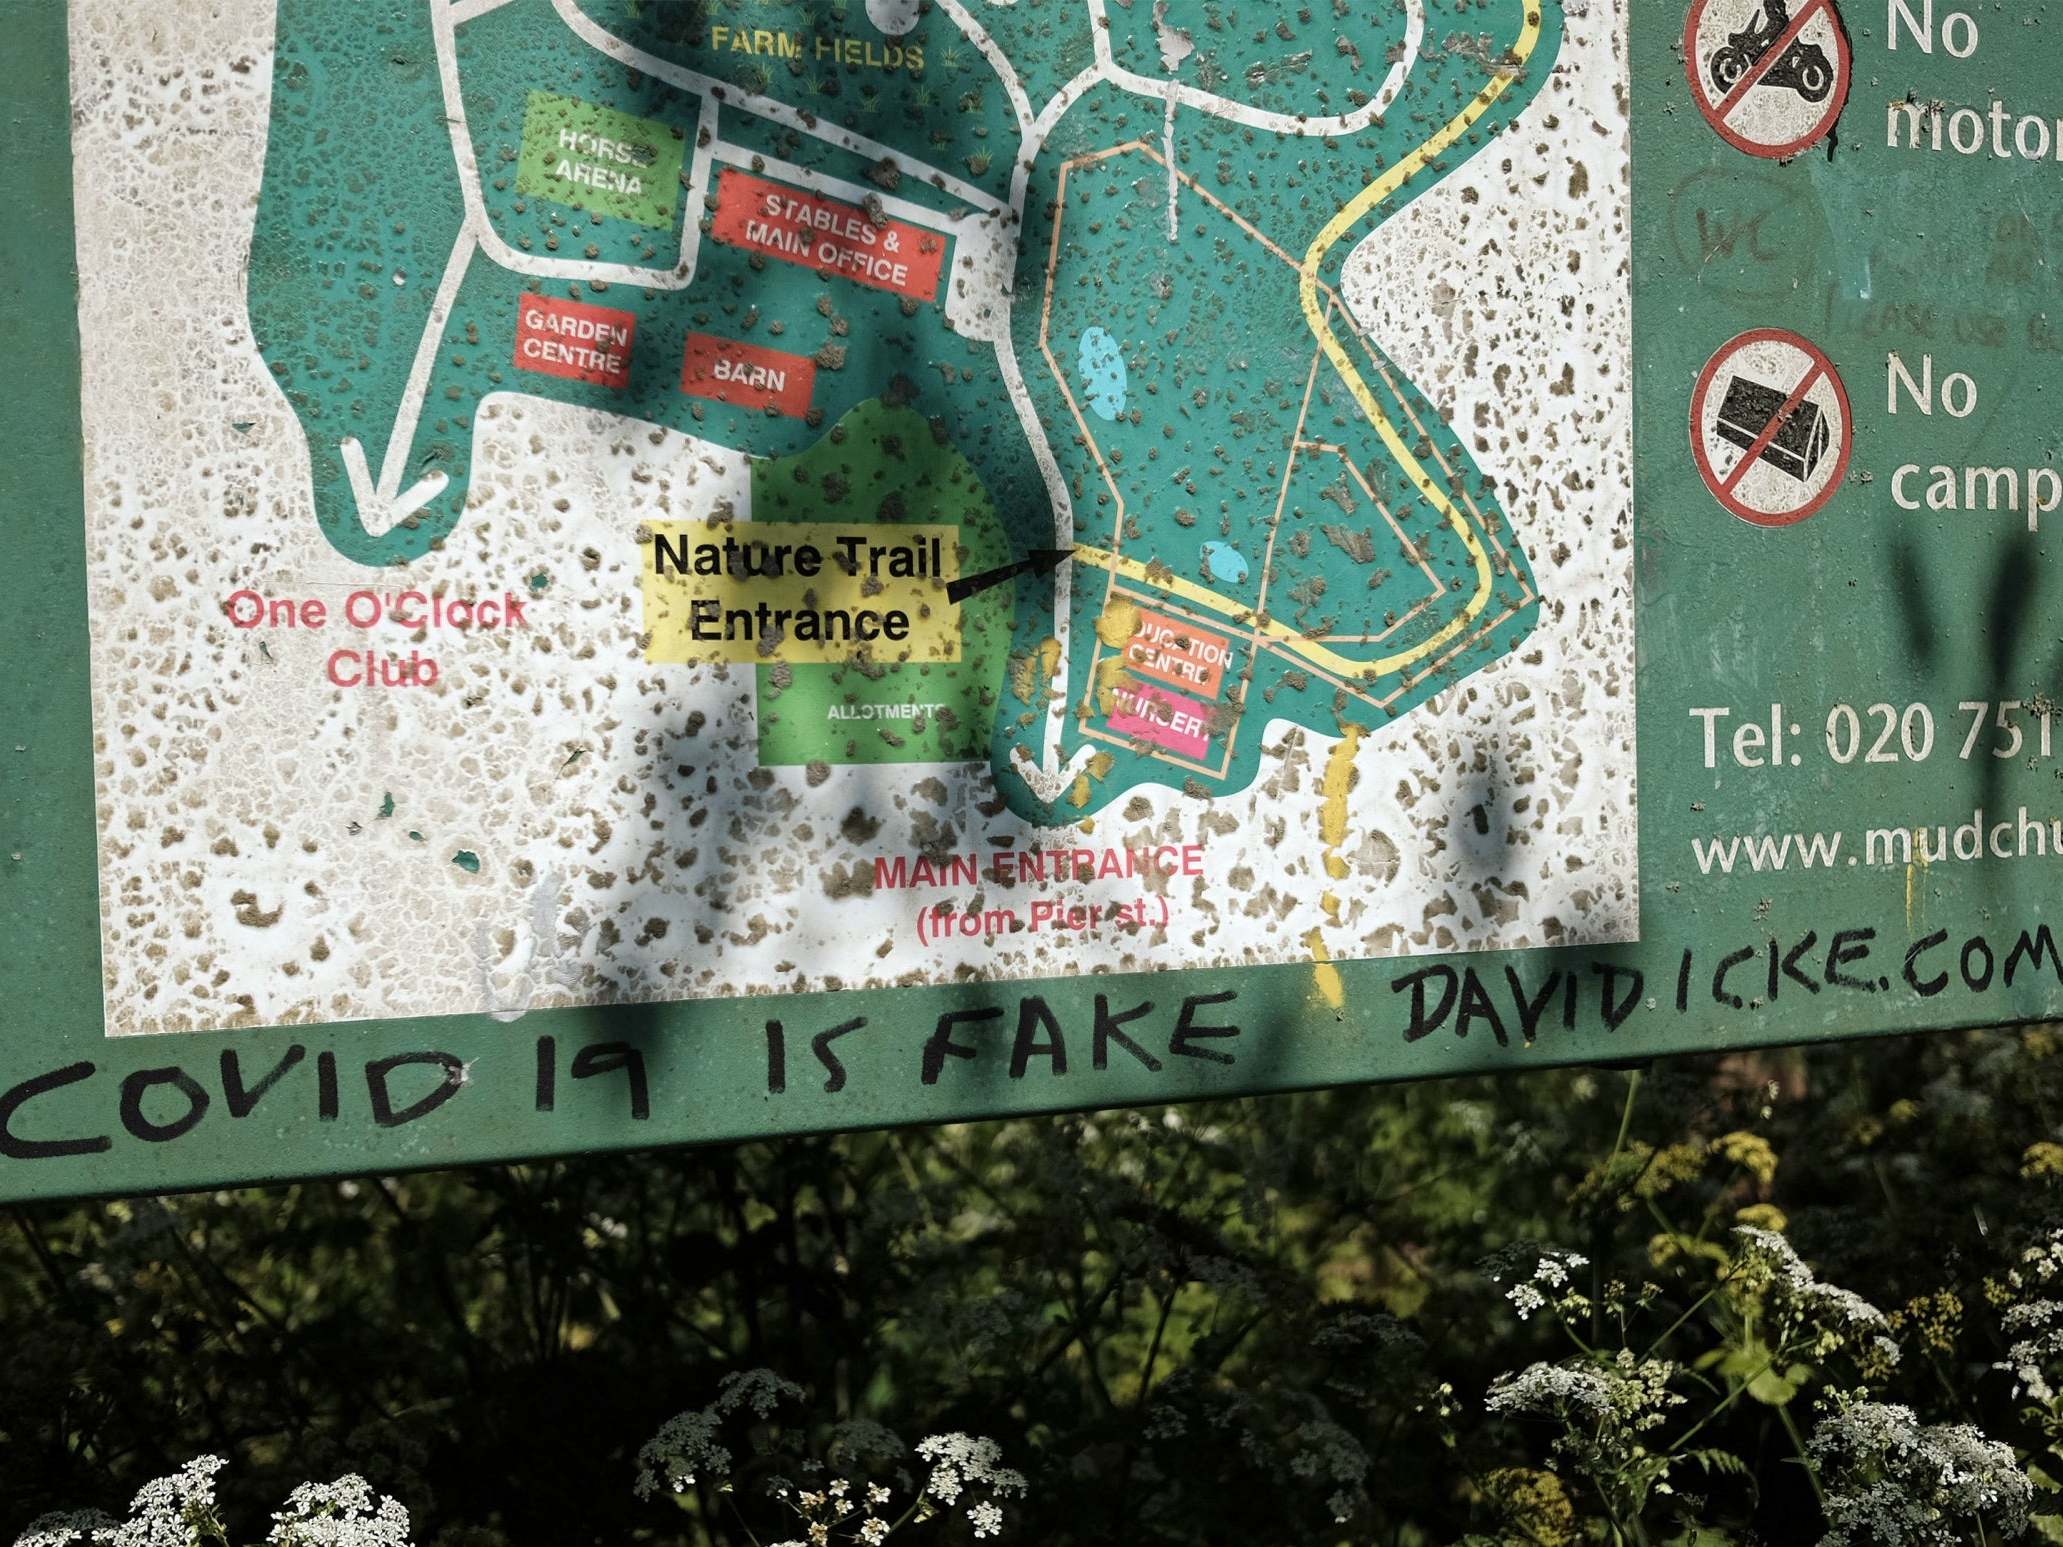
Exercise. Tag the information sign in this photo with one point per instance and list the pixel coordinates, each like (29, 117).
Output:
(586, 574)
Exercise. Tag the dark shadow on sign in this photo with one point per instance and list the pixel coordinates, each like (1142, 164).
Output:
(1915, 609)
(2005, 613)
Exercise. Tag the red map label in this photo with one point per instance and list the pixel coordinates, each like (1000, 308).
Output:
(1171, 720)
(819, 233)
(574, 340)
(727, 371)
(1179, 654)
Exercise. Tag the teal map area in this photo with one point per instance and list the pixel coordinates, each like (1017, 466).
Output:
(1059, 274)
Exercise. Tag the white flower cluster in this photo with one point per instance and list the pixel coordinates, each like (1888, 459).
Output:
(179, 1511)
(1556, 1389)
(345, 1513)
(1833, 1314)
(681, 1453)
(2036, 1326)
(1605, 1408)
(1891, 1482)
(1552, 1281)
(1628, 1392)
(970, 1464)
(167, 1510)
(63, 1528)
(686, 1448)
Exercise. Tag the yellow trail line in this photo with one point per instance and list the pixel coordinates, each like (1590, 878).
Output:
(1335, 351)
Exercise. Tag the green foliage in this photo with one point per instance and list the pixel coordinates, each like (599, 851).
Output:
(1754, 1298)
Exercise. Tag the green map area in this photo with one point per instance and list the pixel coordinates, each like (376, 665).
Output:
(1059, 274)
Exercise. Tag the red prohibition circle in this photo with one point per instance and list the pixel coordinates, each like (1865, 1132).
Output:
(1714, 482)
(1844, 75)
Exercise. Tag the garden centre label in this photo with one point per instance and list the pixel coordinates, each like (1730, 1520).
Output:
(995, 555)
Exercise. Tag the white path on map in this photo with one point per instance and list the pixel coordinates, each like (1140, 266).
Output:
(382, 504)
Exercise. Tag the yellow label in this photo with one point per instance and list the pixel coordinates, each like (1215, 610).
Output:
(808, 593)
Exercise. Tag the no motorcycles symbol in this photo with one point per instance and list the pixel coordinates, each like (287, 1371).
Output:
(1770, 427)
(1770, 79)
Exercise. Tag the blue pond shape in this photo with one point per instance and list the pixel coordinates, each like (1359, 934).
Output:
(1102, 369)
(1224, 562)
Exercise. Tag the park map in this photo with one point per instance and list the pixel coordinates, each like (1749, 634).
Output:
(1045, 276)
(612, 501)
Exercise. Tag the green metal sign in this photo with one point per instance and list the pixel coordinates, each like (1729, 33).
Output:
(635, 573)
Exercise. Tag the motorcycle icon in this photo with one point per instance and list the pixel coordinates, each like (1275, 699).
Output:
(1803, 67)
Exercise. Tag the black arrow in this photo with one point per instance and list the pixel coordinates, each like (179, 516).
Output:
(1040, 561)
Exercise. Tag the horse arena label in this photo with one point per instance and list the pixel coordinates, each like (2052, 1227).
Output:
(625, 579)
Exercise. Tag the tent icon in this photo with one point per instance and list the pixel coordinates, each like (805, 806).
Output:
(1799, 442)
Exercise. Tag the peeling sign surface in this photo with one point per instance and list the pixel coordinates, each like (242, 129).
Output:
(644, 573)
(748, 341)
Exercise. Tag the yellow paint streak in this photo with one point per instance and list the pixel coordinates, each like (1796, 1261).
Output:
(1339, 779)
(1117, 623)
(1332, 828)
(1110, 676)
(1325, 977)
(1032, 675)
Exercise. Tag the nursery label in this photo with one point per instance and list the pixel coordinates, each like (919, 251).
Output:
(620, 589)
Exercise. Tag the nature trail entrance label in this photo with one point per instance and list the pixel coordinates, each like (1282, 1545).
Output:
(653, 578)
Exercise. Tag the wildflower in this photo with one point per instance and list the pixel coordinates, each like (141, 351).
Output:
(340, 1514)
(876, 1494)
(986, 1519)
(1525, 1299)
(682, 1451)
(63, 1528)
(686, 1448)
(1763, 1216)
(1534, 1502)
(873, 1531)
(1750, 1151)
(977, 1457)
(1889, 1480)
(2042, 1159)
(1604, 1408)
(1935, 1317)
(167, 1511)
(1832, 1317)
(2036, 1327)
(1550, 1388)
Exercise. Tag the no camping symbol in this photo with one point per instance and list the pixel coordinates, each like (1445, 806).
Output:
(1769, 78)
(1770, 427)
